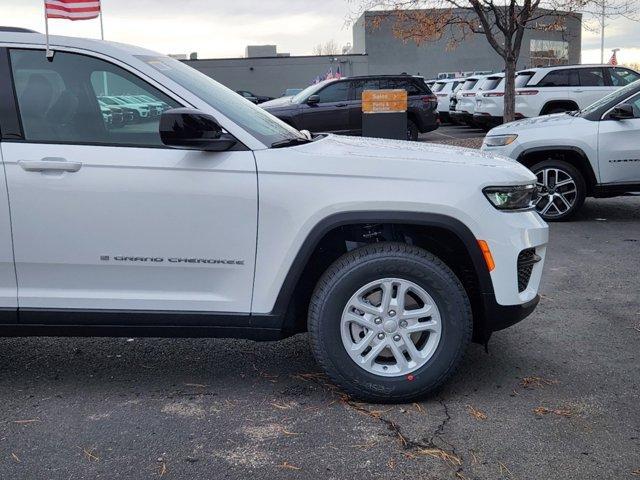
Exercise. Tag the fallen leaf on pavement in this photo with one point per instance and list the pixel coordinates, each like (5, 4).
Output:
(475, 413)
(562, 412)
(288, 466)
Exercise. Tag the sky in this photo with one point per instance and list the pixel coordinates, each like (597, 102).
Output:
(219, 28)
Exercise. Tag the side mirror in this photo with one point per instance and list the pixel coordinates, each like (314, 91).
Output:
(313, 100)
(190, 129)
(624, 111)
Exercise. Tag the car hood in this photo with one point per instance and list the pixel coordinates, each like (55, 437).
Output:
(555, 120)
(415, 160)
(277, 102)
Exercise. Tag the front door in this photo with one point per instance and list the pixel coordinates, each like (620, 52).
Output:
(619, 148)
(104, 216)
(331, 113)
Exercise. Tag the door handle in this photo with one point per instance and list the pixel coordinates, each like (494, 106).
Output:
(50, 164)
(342, 105)
(578, 91)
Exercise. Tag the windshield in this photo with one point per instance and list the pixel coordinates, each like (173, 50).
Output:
(469, 84)
(253, 119)
(491, 83)
(616, 97)
(307, 92)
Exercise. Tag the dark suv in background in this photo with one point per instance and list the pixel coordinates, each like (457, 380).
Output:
(336, 105)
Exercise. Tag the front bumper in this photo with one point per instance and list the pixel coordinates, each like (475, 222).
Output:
(498, 317)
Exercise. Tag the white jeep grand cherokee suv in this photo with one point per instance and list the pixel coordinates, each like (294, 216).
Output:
(547, 90)
(217, 219)
(594, 152)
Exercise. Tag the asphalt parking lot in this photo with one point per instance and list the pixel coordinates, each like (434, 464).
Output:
(555, 397)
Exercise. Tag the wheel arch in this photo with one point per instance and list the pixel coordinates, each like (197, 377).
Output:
(551, 104)
(444, 236)
(573, 155)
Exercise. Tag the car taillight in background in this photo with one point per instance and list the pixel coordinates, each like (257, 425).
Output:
(469, 94)
(493, 94)
(527, 92)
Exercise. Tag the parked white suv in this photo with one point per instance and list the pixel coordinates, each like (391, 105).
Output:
(594, 152)
(542, 91)
(463, 104)
(443, 90)
(489, 109)
(217, 219)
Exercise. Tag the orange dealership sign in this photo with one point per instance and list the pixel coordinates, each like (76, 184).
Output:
(384, 101)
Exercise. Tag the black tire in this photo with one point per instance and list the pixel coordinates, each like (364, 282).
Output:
(412, 131)
(580, 184)
(369, 263)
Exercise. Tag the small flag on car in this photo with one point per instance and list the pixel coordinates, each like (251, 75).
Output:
(614, 58)
(71, 10)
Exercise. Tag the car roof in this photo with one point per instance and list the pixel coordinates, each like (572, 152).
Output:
(566, 67)
(114, 49)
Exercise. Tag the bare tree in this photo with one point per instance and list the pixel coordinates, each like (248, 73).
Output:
(328, 48)
(502, 22)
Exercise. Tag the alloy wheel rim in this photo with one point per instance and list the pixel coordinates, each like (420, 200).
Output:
(391, 327)
(557, 192)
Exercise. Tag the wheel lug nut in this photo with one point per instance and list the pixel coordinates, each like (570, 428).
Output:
(396, 338)
(403, 324)
(381, 336)
(392, 313)
(377, 321)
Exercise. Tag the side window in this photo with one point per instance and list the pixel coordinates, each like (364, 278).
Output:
(635, 102)
(402, 84)
(591, 77)
(560, 78)
(335, 92)
(622, 76)
(360, 86)
(80, 99)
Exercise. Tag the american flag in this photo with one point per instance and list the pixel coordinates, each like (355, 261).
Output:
(614, 58)
(72, 9)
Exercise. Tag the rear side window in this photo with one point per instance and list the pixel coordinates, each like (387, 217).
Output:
(622, 76)
(410, 85)
(360, 86)
(592, 77)
(561, 78)
(437, 87)
(522, 79)
(469, 84)
(335, 92)
(80, 99)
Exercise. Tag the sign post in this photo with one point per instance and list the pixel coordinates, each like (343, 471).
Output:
(384, 114)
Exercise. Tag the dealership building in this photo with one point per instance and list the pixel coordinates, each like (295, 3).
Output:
(376, 49)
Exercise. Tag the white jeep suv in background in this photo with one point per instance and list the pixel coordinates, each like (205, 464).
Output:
(594, 152)
(443, 90)
(489, 109)
(463, 102)
(543, 91)
(217, 219)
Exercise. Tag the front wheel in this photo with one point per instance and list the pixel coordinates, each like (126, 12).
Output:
(562, 190)
(389, 322)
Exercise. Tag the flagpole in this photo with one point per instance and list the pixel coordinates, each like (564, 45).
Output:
(49, 53)
(101, 25)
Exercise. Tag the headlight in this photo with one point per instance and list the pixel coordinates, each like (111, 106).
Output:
(520, 197)
(499, 140)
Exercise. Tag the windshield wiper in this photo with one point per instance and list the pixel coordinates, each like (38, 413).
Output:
(290, 142)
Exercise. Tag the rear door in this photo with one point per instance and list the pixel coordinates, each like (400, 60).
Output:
(593, 86)
(331, 114)
(8, 126)
(355, 102)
